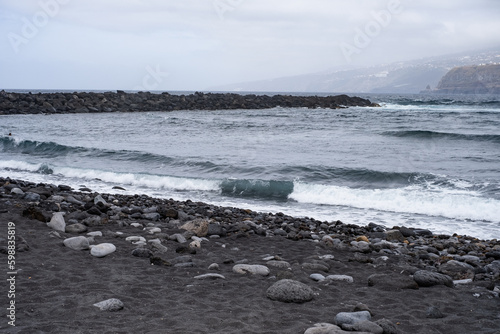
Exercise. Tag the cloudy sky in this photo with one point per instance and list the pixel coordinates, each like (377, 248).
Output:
(197, 44)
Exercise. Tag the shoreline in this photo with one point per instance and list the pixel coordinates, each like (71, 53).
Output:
(120, 101)
(176, 261)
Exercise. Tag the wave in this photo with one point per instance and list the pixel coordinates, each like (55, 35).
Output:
(456, 204)
(490, 101)
(456, 199)
(424, 134)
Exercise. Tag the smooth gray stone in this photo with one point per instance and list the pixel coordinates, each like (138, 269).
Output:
(426, 278)
(290, 291)
(210, 276)
(434, 313)
(32, 197)
(110, 305)
(17, 191)
(254, 269)
(364, 326)
(350, 318)
(76, 228)
(77, 243)
(102, 250)
(57, 222)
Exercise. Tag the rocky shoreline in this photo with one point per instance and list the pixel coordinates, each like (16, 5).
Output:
(137, 255)
(83, 102)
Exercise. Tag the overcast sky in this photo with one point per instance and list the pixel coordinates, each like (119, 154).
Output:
(197, 44)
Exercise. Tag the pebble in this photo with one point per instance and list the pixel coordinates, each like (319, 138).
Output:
(426, 278)
(279, 264)
(434, 313)
(213, 266)
(178, 237)
(136, 225)
(95, 234)
(76, 228)
(77, 243)
(324, 328)
(364, 327)
(57, 222)
(210, 276)
(290, 291)
(317, 277)
(340, 278)
(102, 250)
(350, 318)
(254, 269)
(142, 252)
(110, 305)
(135, 238)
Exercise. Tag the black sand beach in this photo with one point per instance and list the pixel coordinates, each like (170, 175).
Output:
(409, 280)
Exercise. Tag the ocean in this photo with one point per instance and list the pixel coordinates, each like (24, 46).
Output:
(426, 161)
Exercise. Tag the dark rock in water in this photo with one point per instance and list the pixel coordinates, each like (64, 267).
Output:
(119, 188)
(423, 233)
(426, 278)
(434, 313)
(64, 187)
(290, 291)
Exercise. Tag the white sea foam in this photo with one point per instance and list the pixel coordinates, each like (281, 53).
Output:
(456, 204)
(141, 180)
(19, 165)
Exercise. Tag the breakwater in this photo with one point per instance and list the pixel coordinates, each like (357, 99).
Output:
(120, 101)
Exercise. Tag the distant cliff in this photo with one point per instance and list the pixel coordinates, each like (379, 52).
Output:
(482, 79)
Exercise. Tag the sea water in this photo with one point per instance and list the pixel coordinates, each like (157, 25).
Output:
(426, 161)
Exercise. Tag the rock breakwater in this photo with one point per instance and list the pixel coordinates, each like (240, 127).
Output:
(84, 102)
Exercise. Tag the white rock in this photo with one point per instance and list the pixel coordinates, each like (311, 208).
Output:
(111, 305)
(136, 225)
(95, 234)
(254, 269)
(195, 244)
(77, 243)
(462, 281)
(213, 266)
(17, 191)
(154, 230)
(269, 258)
(317, 277)
(210, 276)
(57, 222)
(342, 278)
(327, 257)
(135, 238)
(102, 250)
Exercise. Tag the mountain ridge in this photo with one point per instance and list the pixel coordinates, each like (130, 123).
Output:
(400, 77)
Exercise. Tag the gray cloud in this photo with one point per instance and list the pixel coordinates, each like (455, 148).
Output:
(91, 44)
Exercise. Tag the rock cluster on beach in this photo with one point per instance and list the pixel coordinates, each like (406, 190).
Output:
(205, 245)
(82, 102)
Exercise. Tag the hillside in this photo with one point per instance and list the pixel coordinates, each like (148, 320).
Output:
(401, 77)
(482, 79)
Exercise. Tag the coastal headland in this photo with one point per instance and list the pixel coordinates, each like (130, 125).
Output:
(86, 262)
(120, 101)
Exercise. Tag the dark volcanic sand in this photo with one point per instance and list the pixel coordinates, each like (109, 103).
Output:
(56, 287)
